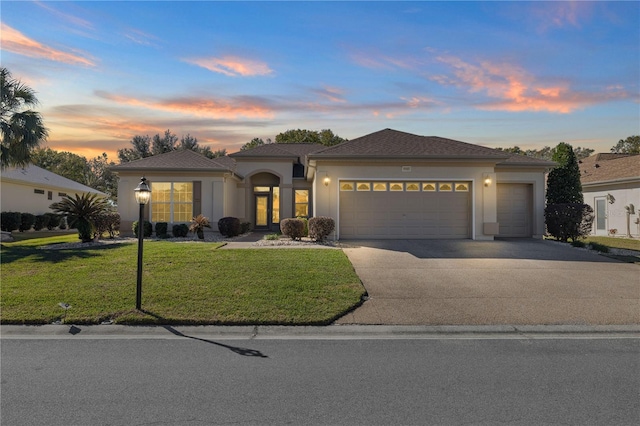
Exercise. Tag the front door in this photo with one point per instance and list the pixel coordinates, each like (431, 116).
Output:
(263, 212)
(601, 216)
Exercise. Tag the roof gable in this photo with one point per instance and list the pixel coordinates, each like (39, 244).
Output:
(35, 175)
(177, 160)
(607, 167)
(390, 143)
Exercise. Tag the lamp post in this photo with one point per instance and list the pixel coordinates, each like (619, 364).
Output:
(143, 195)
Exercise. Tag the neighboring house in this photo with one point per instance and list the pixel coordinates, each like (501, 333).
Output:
(31, 189)
(611, 186)
(388, 184)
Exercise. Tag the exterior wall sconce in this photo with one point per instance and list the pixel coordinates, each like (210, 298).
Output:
(487, 180)
(326, 181)
(143, 195)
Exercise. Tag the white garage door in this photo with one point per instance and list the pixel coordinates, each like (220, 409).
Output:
(404, 210)
(515, 209)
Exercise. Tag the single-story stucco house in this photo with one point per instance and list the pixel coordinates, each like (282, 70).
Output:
(32, 189)
(388, 184)
(611, 186)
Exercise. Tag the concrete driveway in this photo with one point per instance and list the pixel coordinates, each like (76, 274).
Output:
(518, 282)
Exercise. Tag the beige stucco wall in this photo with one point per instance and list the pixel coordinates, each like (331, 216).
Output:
(213, 191)
(17, 197)
(537, 180)
(327, 198)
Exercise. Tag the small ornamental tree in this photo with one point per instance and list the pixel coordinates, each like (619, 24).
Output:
(82, 212)
(565, 214)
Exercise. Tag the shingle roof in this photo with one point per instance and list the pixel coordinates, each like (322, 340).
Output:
(293, 150)
(608, 167)
(35, 175)
(178, 160)
(390, 143)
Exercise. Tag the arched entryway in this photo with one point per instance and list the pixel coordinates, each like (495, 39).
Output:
(265, 201)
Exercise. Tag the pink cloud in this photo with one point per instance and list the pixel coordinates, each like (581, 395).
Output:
(249, 107)
(16, 42)
(332, 94)
(516, 90)
(233, 66)
(561, 14)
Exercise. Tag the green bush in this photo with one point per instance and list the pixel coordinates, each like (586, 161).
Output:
(108, 222)
(146, 232)
(320, 227)
(229, 226)
(42, 221)
(161, 229)
(272, 237)
(599, 247)
(568, 220)
(54, 221)
(292, 228)
(180, 231)
(86, 230)
(245, 227)
(305, 220)
(63, 223)
(10, 221)
(27, 220)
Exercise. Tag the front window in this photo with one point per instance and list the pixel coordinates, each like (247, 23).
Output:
(171, 201)
(302, 202)
(275, 208)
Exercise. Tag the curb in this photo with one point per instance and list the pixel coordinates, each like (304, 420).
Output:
(54, 331)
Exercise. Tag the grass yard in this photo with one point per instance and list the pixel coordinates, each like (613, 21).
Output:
(613, 242)
(183, 283)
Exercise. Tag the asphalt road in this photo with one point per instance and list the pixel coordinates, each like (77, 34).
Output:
(199, 381)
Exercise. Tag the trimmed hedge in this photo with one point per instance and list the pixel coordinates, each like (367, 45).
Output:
(42, 221)
(229, 226)
(27, 220)
(245, 227)
(320, 227)
(55, 221)
(304, 220)
(108, 222)
(292, 228)
(147, 231)
(10, 221)
(180, 231)
(568, 220)
(161, 229)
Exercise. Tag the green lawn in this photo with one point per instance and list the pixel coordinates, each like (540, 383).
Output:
(183, 283)
(621, 243)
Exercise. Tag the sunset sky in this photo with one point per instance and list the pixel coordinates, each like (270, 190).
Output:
(497, 74)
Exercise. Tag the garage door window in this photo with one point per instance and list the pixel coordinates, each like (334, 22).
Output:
(413, 186)
(396, 187)
(380, 186)
(428, 187)
(445, 187)
(364, 186)
(462, 187)
(346, 186)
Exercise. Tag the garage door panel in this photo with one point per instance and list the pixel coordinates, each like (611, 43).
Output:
(514, 209)
(405, 214)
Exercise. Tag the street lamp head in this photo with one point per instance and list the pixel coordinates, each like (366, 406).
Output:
(142, 192)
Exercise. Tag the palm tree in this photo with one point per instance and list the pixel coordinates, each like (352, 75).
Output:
(82, 213)
(22, 129)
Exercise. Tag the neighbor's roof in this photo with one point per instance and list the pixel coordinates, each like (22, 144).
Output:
(34, 175)
(183, 160)
(607, 167)
(393, 144)
(295, 151)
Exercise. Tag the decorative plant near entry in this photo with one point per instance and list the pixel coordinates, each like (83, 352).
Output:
(613, 231)
(82, 212)
(198, 224)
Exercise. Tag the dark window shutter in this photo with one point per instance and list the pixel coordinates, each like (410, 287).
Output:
(197, 197)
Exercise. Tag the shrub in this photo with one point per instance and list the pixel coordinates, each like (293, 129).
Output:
(27, 220)
(42, 221)
(81, 212)
(63, 223)
(599, 247)
(10, 221)
(86, 230)
(180, 231)
(568, 220)
(161, 229)
(198, 224)
(272, 237)
(108, 222)
(320, 227)
(146, 232)
(292, 228)
(305, 220)
(55, 221)
(229, 226)
(245, 227)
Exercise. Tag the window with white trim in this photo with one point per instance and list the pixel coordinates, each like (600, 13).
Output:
(171, 201)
